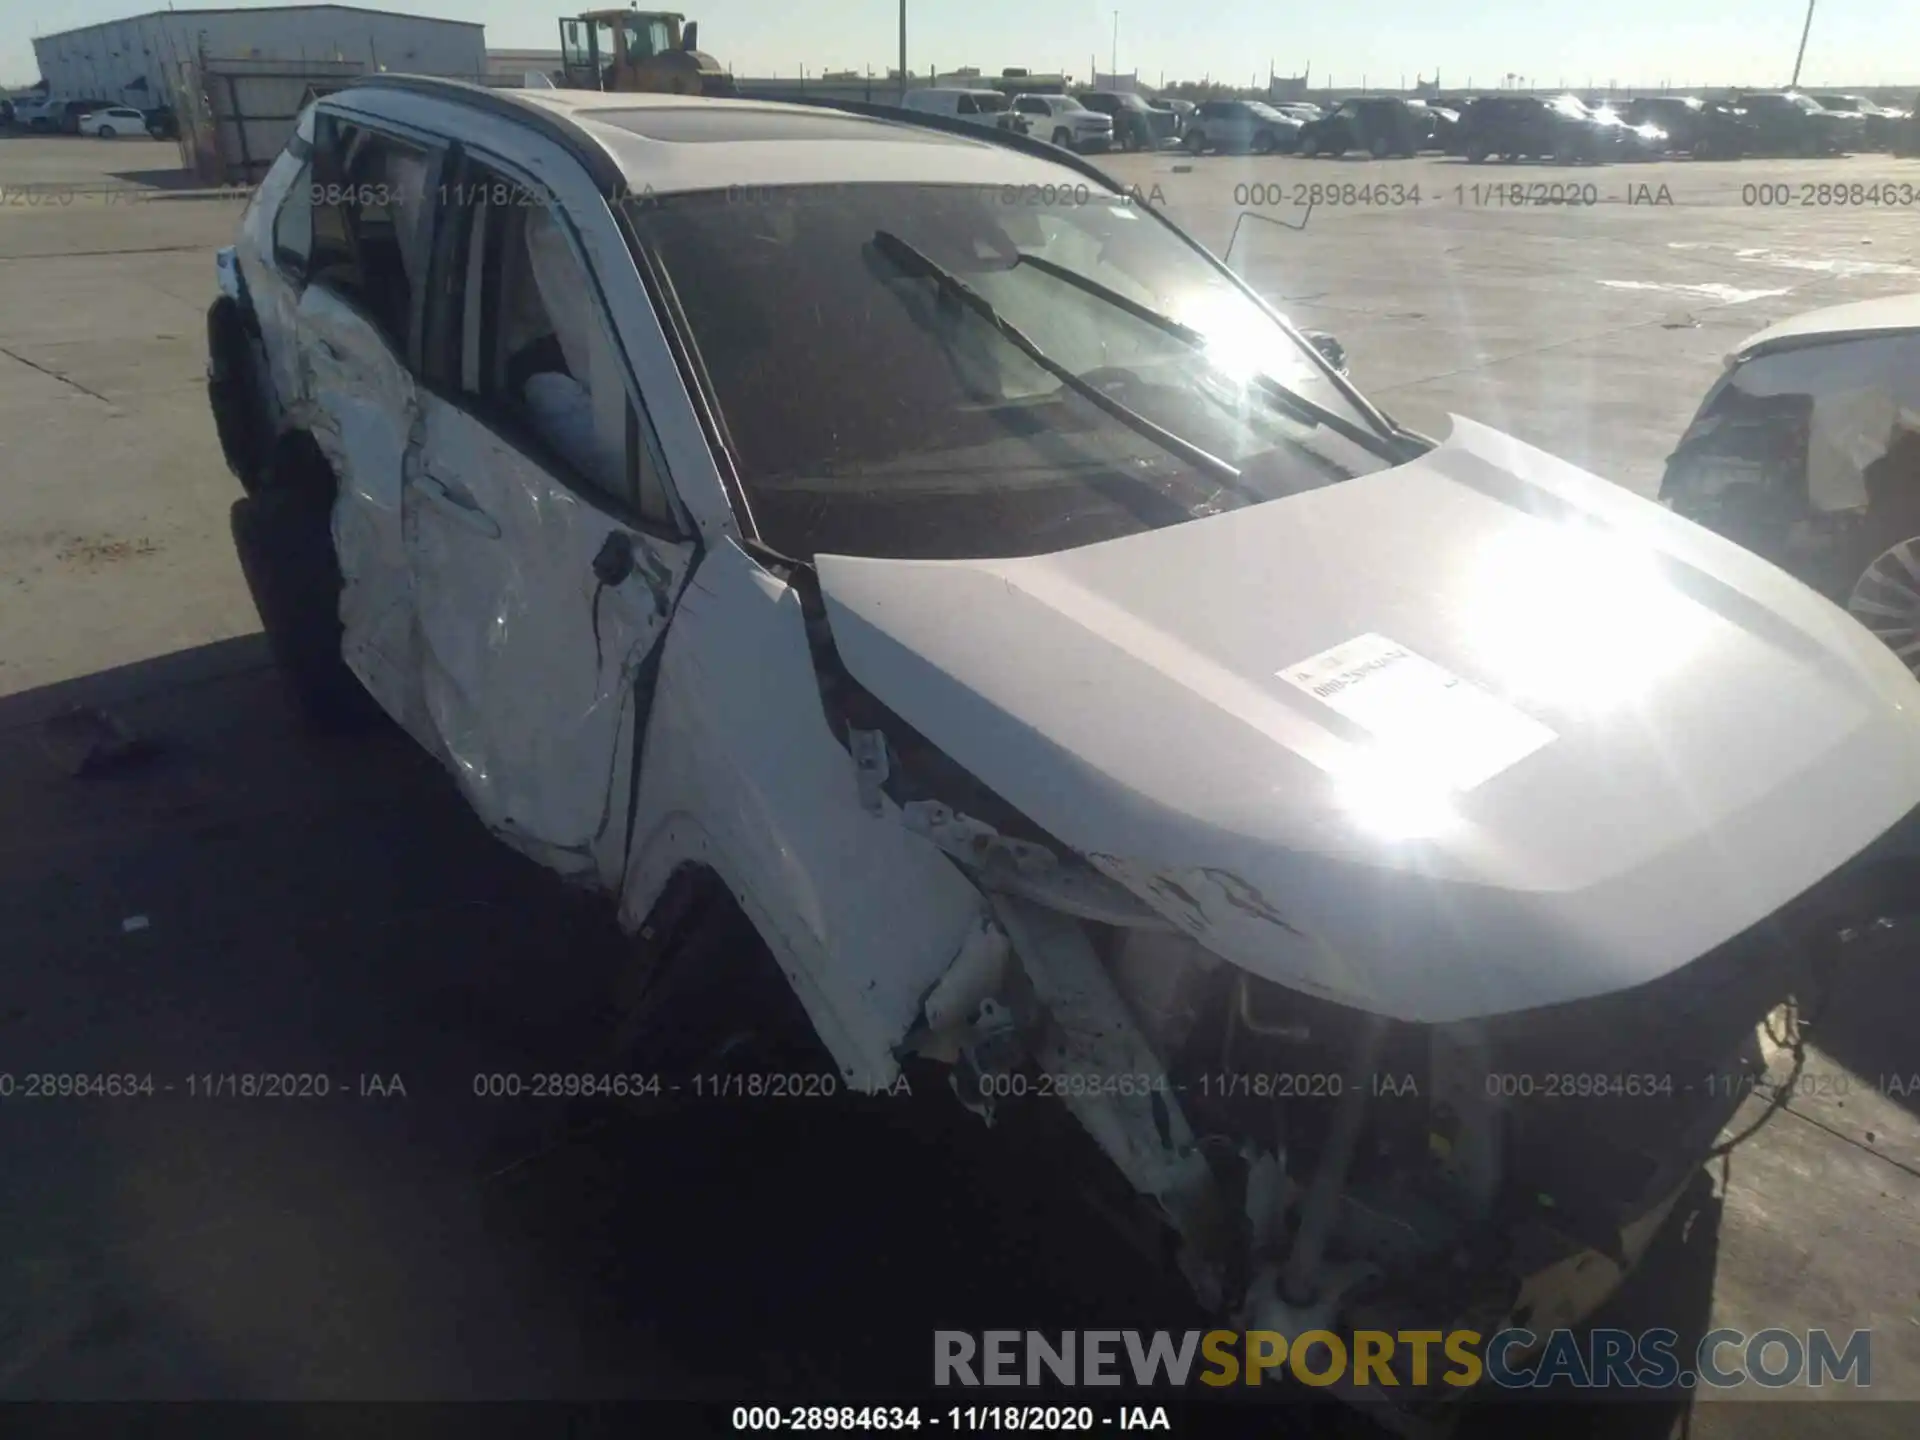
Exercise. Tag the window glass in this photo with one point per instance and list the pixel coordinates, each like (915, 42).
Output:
(293, 226)
(1825, 428)
(369, 208)
(871, 415)
(536, 358)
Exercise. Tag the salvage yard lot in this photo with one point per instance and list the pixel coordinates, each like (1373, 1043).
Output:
(249, 898)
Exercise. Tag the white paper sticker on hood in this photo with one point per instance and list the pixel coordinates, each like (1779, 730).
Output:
(1439, 726)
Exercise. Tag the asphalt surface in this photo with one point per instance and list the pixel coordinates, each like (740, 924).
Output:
(245, 898)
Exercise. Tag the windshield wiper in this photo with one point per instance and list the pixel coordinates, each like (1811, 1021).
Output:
(915, 262)
(1302, 408)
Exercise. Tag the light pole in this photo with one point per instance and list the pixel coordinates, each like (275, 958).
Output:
(903, 52)
(1802, 54)
(1113, 60)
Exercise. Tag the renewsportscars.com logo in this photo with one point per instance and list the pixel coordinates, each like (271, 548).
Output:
(1512, 1359)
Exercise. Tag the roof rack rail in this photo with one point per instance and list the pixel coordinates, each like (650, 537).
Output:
(900, 115)
(554, 124)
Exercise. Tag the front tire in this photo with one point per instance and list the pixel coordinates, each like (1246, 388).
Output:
(1476, 152)
(106, 132)
(1379, 149)
(1262, 143)
(283, 536)
(1196, 142)
(1063, 138)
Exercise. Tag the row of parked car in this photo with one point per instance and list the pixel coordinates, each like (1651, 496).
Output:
(1089, 122)
(1565, 128)
(104, 118)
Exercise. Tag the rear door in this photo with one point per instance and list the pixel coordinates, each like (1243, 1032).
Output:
(349, 235)
(545, 549)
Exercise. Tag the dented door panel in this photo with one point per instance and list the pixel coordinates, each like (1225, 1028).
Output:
(529, 664)
(363, 408)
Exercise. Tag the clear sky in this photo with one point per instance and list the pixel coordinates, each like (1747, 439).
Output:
(1640, 42)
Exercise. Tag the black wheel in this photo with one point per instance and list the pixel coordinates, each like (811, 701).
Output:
(1476, 152)
(1196, 142)
(1379, 149)
(1886, 597)
(1263, 142)
(1063, 138)
(284, 537)
(1309, 147)
(106, 132)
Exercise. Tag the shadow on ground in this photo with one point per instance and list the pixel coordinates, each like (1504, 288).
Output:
(246, 899)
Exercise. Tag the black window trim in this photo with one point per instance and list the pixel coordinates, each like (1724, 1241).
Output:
(436, 148)
(441, 377)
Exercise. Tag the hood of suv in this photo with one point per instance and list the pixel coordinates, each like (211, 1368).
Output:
(1475, 734)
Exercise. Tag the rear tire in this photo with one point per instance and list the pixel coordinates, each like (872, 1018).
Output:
(106, 132)
(1476, 152)
(284, 537)
(1196, 143)
(1379, 149)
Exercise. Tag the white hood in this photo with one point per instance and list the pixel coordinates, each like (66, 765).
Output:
(1476, 734)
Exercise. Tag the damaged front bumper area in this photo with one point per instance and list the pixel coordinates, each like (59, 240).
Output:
(1314, 1167)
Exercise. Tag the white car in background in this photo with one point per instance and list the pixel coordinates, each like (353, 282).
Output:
(988, 108)
(1061, 684)
(1065, 122)
(114, 120)
(1807, 451)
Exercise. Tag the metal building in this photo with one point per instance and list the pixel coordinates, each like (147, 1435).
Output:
(139, 61)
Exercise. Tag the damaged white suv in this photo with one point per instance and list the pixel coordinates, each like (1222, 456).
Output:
(897, 540)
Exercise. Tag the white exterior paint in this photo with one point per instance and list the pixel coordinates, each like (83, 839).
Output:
(1861, 317)
(1704, 737)
(105, 61)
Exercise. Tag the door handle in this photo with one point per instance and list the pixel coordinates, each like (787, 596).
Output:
(458, 506)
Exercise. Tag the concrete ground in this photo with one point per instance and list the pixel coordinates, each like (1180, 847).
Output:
(253, 899)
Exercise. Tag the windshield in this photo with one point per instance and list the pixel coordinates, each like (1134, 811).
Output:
(869, 412)
(1267, 112)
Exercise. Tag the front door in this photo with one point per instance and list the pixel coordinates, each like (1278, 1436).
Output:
(544, 559)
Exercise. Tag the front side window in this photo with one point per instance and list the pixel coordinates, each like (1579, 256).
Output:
(870, 410)
(293, 225)
(1821, 428)
(1031, 106)
(531, 353)
(989, 102)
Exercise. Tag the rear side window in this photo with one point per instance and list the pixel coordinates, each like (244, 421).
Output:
(369, 210)
(293, 226)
